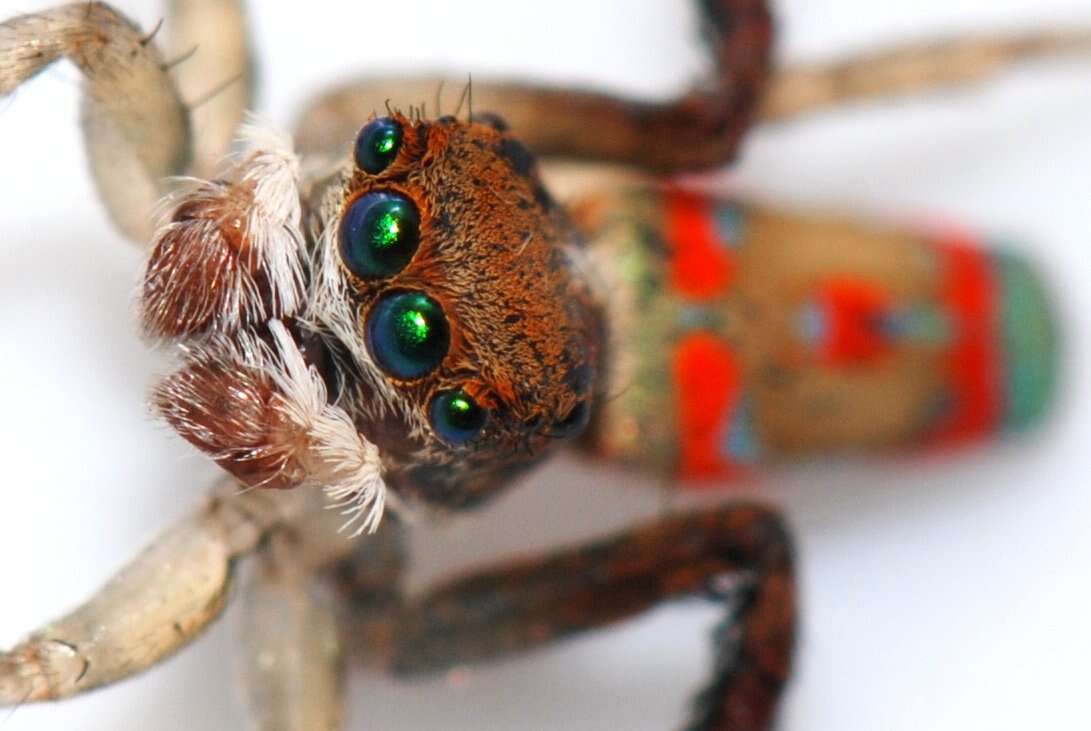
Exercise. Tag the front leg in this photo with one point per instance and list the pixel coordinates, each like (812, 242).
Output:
(135, 120)
(216, 74)
(292, 669)
(526, 604)
(154, 606)
(135, 123)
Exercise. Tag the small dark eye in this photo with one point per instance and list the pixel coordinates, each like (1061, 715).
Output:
(573, 422)
(407, 334)
(377, 145)
(379, 235)
(456, 417)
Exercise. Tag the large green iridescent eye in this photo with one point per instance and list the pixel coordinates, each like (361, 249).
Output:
(379, 234)
(377, 145)
(407, 334)
(456, 417)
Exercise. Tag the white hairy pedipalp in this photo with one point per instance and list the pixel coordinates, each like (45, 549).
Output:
(345, 464)
(231, 251)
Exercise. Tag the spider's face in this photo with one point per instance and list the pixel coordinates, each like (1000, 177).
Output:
(453, 285)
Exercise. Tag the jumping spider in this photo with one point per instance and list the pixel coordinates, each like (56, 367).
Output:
(263, 272)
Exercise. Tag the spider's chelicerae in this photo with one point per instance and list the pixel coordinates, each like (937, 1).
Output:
(394, 309)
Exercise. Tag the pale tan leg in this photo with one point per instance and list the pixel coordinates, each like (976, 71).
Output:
(293, 665)
(216, 77)
(152, 607)
(912, 68)
(135, 116)
(135, 124)
(293, 651)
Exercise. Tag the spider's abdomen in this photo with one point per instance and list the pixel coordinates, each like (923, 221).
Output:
(742, 335)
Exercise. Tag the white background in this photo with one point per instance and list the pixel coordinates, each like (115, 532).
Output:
(944, 595)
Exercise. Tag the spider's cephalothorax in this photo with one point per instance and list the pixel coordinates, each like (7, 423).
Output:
(454, 285)
(423, 316)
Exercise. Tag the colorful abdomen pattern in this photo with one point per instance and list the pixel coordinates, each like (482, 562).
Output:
(743, 336)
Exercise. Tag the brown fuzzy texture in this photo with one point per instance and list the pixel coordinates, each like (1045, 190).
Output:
(500, 258)
(233, 414)
(739, 555)
(701, 129)
(201, 262)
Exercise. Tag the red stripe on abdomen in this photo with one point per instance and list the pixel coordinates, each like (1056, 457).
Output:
(700, 266)
(854, 308)
(974, 362)
(708, 384)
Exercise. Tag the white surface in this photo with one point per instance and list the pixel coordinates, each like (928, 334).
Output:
(951, 595)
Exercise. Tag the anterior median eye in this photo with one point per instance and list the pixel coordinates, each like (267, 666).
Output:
(377, 145)
(407, 334)
(379, 234)
(456, 417)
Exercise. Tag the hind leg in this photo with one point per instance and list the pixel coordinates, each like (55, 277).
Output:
(702, 129)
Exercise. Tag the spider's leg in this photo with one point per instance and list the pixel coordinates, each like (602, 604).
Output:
(293, 669)
(135, 118)
(156, 604)
(913, 68)
(700, 129)
(370, 581)
(214, 73)
(519, 606)
(134, 121)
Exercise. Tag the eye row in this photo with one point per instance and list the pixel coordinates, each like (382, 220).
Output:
(380, 231)
(406, 331)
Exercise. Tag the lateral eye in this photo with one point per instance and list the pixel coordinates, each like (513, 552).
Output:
(407, 334)
(380, 233)
(456, 417)
(573, 422)
(377, 145)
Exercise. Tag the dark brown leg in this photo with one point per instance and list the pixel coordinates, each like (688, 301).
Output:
(701, 129)
(525, 604)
